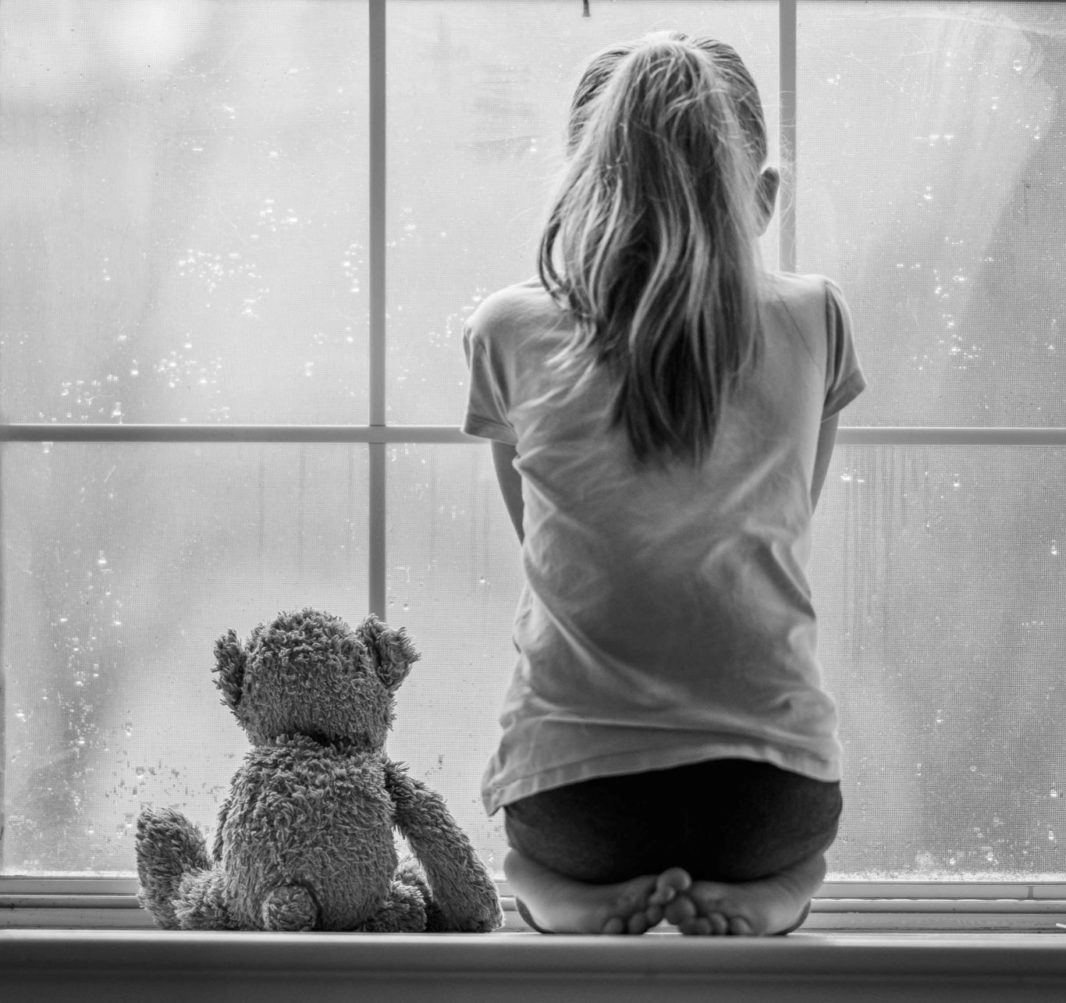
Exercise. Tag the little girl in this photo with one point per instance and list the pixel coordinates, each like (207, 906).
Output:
(662, 415)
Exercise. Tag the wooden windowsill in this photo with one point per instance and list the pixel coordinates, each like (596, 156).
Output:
(91, 965)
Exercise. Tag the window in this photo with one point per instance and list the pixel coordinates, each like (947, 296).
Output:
(238, 243)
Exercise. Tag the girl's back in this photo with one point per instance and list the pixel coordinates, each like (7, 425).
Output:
(667, 616)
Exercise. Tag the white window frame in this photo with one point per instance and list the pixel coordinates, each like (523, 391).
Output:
(111, 901)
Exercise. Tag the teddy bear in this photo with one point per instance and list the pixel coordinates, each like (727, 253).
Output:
(305, 836)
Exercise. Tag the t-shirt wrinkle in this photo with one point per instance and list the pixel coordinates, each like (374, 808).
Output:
(666, 616)
(800, 333)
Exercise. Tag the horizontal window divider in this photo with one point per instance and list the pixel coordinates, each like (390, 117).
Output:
(871, 435)
(114, 890)
(122, 900)
(941, 904)
(877, 435)
(181, 433)
(1020, 891)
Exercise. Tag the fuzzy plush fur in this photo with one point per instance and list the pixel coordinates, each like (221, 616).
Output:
(305, 838)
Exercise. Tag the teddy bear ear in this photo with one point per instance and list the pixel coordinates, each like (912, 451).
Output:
(392, 651)
(230, 662)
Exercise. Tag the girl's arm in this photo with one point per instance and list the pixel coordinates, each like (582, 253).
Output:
(827, 437)
(503, 457)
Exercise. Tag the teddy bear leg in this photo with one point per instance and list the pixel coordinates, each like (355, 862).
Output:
(405, 907)
(289, 908)
(202, 903)
(410, 873)
(168, 847)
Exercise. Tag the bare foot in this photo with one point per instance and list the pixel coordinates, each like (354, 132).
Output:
(747, 909)
(561, 905)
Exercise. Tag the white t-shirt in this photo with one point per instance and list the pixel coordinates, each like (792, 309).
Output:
(666, 617)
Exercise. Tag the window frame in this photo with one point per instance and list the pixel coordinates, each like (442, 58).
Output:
(111, 901)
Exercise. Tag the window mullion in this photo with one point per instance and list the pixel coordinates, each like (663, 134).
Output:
(377, 494)
(787, 59)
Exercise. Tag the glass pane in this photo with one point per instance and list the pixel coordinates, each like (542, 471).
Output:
(122, 565)
(478, 93)
(946, 660)
(183, 223)
(940, 578)
(453, 580)
(932, 165)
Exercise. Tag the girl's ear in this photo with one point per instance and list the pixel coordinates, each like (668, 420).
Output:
(766, 197)
(230, 662)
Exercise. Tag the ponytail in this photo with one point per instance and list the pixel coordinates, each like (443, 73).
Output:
(651, 238)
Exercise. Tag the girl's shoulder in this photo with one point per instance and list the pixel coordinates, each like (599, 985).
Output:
(809, 304)
(793, 288)
(515, 309)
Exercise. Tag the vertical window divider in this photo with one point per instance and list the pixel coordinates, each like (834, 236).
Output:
(787, 60)
(377, 371)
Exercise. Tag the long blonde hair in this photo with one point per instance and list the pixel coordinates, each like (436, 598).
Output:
(651, 237)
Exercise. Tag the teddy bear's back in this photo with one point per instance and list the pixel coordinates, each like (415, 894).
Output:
(305, 814)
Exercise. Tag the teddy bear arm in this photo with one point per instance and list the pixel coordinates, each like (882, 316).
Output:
(463, 893)
(218, 842)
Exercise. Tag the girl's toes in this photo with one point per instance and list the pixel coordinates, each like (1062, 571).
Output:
(719, 924)
(681, 910)
(740, 927)
(670, 884)
(698, 926)
(614, 926)
(638, 923)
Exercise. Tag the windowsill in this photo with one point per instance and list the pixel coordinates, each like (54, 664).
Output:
(87, 939)
(878, 910)
(90, 965)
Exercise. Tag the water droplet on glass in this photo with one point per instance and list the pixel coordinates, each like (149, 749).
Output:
(1018, 65)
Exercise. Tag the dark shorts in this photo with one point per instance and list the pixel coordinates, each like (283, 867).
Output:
(721, 820)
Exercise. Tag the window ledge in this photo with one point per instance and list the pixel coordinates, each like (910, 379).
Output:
(166, 966)
(72, 911)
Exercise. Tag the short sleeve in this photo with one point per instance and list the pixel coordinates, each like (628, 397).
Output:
(486, 407)
(844, 379)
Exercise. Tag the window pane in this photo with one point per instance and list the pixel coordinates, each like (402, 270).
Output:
(939, 576)
(454, 578)
(932, 168)
(478, 93)
(122, 565)
(183, 222)
(946, 660)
